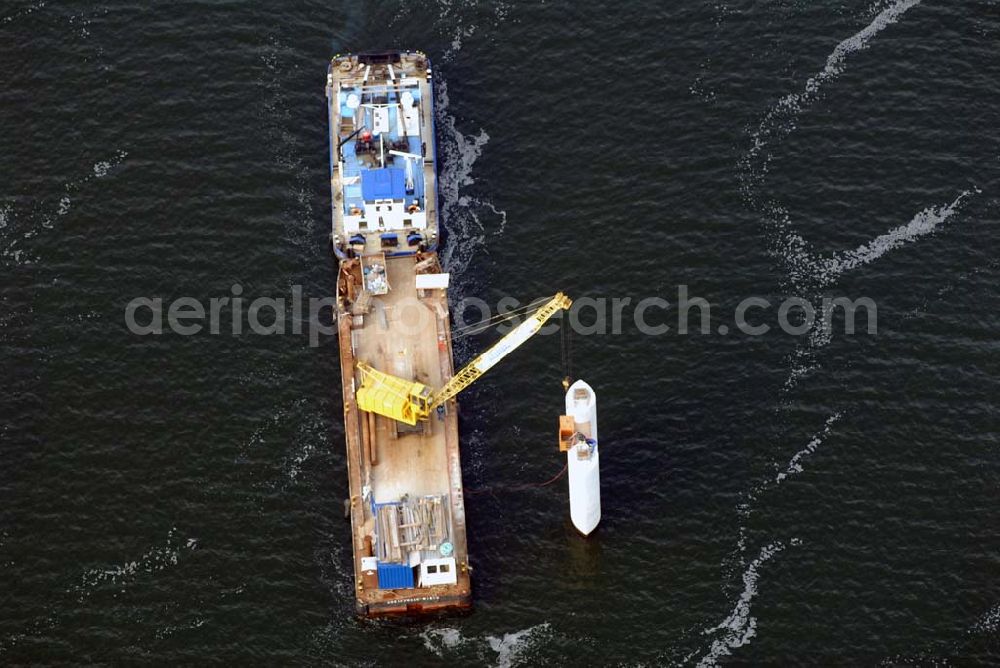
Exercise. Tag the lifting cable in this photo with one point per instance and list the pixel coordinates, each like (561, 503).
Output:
(566, 345)
(499, 318)
(519, 488)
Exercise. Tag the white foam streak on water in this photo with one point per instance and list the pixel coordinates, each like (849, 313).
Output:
(170, 630)
(988, 623)
(310, 437)
(12, 236)
(461, 215)
(923, 223)
(298, 217)
(121, 576)
(456, 41)
(21, 13)
(746, 507)
(457, 153)
(794, 464)
(800, 363)
(859, 40)
(10, 250)
(451, 20)
(298, 459)
(806, 266)
(772, 128)
(104, 167)
(437, 640)
(503, 652)
(807, 270)
(510, 647)
(701, 89)
(259, 436)
(803, 266)
(154, 559)
(740, 626)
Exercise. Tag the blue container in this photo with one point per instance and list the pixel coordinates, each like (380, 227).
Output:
(395, 576)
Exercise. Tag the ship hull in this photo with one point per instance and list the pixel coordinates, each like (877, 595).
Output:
(583, 461)
(405, 481)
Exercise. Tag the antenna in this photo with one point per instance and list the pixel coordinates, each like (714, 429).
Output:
(403, 154)
(409, 176)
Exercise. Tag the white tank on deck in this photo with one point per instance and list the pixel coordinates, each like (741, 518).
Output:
(583, 458)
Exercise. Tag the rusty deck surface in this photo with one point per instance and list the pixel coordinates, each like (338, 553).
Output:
(407, 335)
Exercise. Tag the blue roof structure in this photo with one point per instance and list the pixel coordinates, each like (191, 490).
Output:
(385, 183)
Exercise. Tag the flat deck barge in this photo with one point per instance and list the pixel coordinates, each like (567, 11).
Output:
(406, 504)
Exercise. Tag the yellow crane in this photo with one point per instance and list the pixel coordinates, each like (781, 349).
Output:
(409, 401)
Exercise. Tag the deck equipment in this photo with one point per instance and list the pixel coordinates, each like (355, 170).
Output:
(409, 401)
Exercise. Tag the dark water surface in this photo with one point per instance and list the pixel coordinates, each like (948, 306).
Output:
(773, 499)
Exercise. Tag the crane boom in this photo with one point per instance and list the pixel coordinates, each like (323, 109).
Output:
(514, 338)
(409, 401)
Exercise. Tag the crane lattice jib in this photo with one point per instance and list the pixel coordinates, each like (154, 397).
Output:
(477, 367)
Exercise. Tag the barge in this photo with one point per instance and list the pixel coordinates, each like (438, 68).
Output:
(399, 385)
(406, 505)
